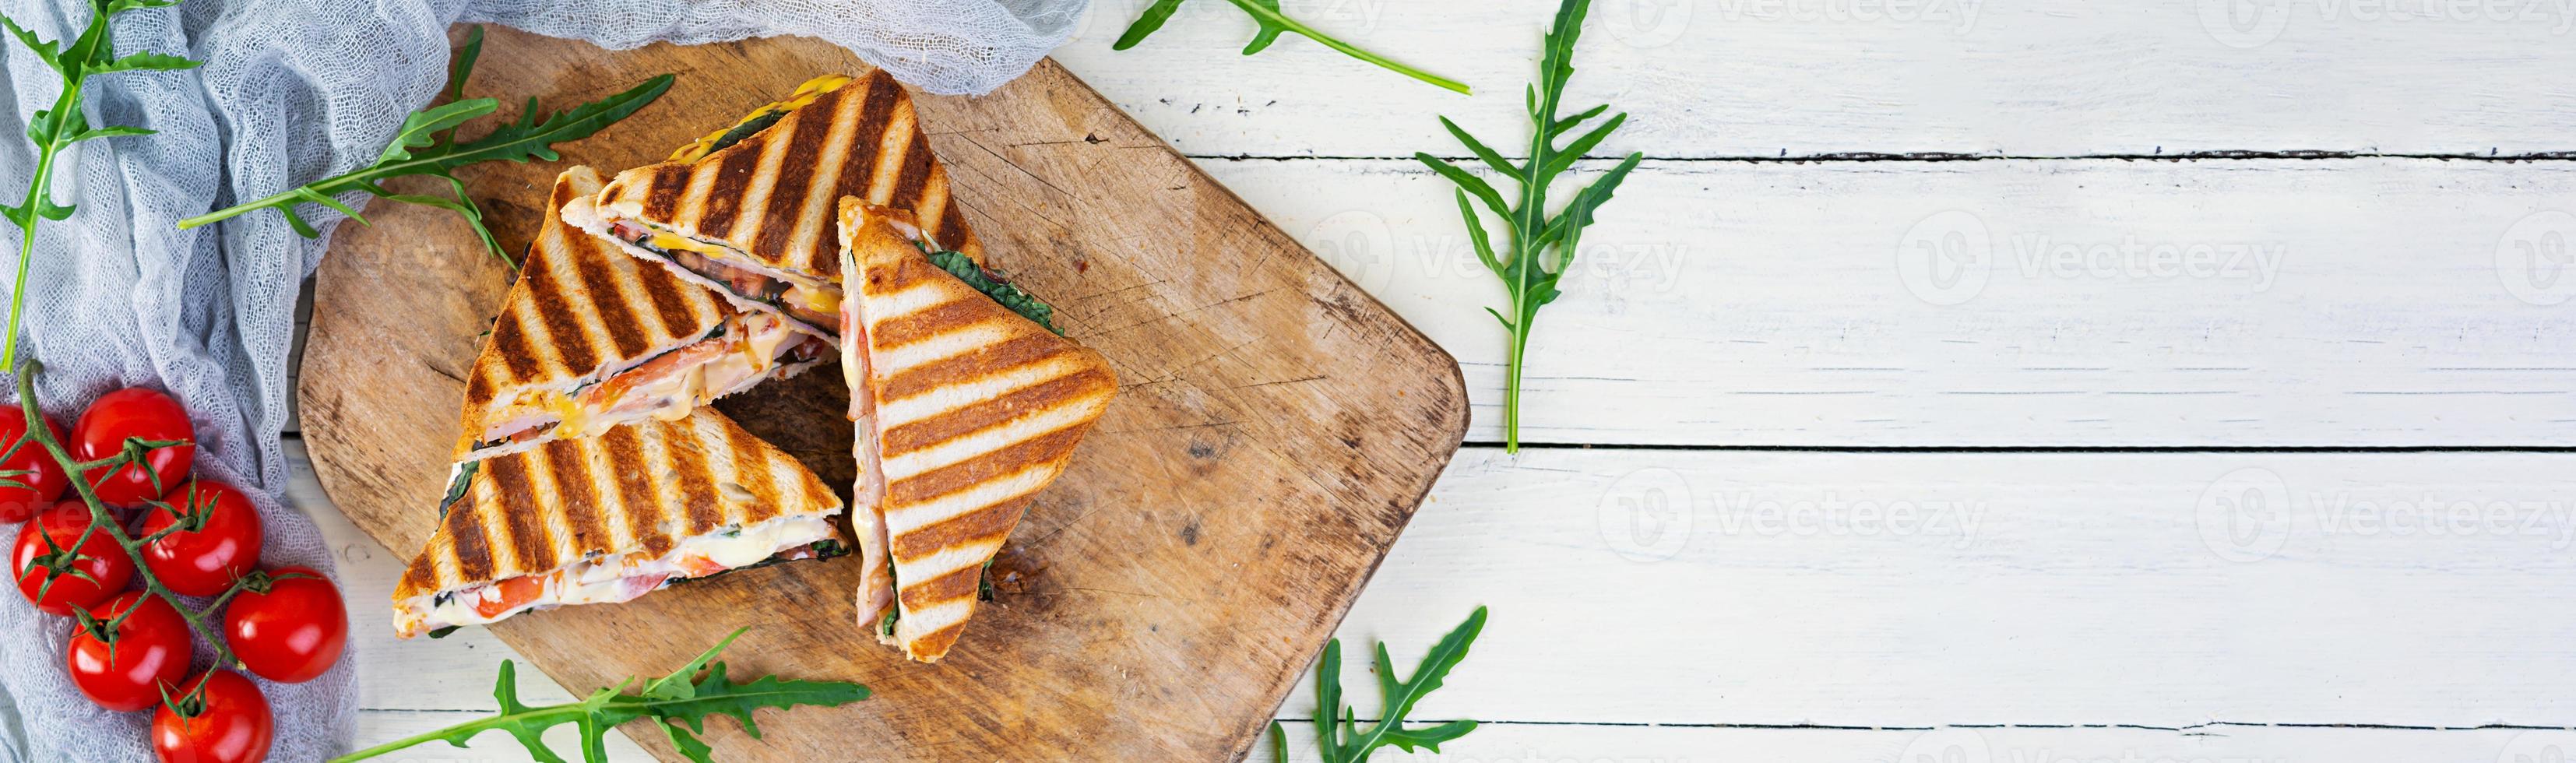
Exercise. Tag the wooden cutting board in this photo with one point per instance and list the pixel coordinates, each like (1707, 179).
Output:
(1275, 430)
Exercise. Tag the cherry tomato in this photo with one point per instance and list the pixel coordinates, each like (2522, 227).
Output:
(123, 665)
(135, 412)
(44, 477)
(204, 561)
(287, 625)
(216, 717)
(54, 537)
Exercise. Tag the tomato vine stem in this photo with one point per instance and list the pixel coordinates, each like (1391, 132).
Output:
(101, 519)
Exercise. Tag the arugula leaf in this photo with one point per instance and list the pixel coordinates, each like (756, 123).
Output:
(747, 129)
(1539, 247)
(1001, 291)
(679, 703)
(427, 145)
(1337, 729)
(54, 129)
(1272, 23)
(456, 486)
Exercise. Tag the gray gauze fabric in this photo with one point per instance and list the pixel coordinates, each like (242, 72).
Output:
(293, 91)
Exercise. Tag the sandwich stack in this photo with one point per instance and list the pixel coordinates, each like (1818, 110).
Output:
(588, 469)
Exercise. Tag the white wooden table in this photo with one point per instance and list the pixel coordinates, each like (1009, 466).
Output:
(2041, 379)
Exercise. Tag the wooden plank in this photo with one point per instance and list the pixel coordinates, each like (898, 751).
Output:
(2221, 744)
(1511, 743)
(1256, 413)
(1787, 78)
(1920, 589)
(2031, 589)
(2341, 303)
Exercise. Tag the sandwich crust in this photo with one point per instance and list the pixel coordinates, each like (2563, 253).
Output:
(970, 410)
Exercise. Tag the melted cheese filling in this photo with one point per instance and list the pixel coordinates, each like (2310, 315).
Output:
(621, 579)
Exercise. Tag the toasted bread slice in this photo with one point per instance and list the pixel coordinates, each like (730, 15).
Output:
(754, 219)
(964, 409)
(608, 518)
(589, 338)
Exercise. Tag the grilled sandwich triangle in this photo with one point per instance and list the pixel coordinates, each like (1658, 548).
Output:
(610, 518)
(589, 338)
(753, 220)
(964, 409)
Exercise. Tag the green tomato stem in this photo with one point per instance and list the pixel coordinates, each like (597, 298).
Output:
(100, 519)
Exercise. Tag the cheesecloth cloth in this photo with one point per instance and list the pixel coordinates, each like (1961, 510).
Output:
(294, 91)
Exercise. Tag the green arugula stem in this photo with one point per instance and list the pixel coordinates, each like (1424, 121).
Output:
(1273, 23)
(227, 213)
(101, 520)
(557, 715)
(426, 145)
(1273, 17)
(37, 190)
(1539, 245)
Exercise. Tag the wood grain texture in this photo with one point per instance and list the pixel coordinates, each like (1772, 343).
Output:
(1276, 430)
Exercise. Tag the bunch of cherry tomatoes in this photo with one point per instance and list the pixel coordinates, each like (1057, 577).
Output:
(130, 650)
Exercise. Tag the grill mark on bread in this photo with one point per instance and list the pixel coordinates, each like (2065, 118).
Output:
(939, 641)
(908, 185)
(510, 476)
(990, 524)
(510, 342)
(926, 323)
(421, 574)
(696, 496)
(804, 139)
(594, 267)
(859, 162)
(568, 464)
(662, 192)
(995, 413)
(981, 468)
(465, 528)
(952, 222)
(478, 386)
(1017, 351)
(671, 304)
(945, 588)
(733, 173)
(635, 490)
(563, 321)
